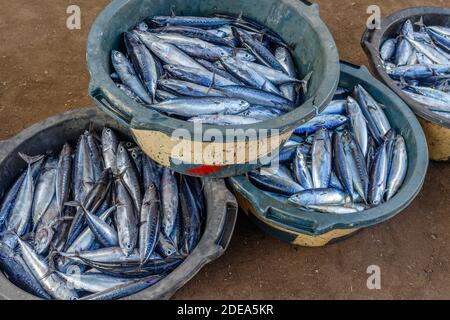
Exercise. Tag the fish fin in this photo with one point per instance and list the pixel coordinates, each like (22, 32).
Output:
(420, 22)
(30, 159)
(239, 17)
(317, 109)
(28, 236)
(305, 81)
(76, 204)
(213, 81)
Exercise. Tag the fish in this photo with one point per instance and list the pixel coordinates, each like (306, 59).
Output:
(125, 218)
(249, 75)
(398, 167)
(20, 219)
(343, 168)
(258, 97)
(198, 76)
(358, 123)
(387, 49)
(19, 273)
(63, 176)
(126, 289)
(93, 283)
(129, 176)
(103, 232)
(357, 163)
(45, 190)
(195, 32)
(190, 218)
(83, 176)
(168, 53)
(301, 170)
(91, 202)
(345, 209)
(256, 48)
(189, 89)
(317, 197)
(274, 183)
(190, 21)
(431, 53)
(378, 176)
(128, 75)
(321, 121)
(143, 61)
(110, 143)
(150, 223)
(169, 201)
(321, 158)
(336, 107)
(46, 226)
(190, 107)
(53, 284)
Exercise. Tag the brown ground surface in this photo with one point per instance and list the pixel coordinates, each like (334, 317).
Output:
(43, 72)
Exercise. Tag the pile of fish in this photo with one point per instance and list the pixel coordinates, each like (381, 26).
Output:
(100, 222)
(345, 160)
(218, 70)
(419, 61)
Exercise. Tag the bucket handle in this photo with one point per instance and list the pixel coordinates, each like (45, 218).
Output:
(312, 7)
(224, 237)
(115, 110)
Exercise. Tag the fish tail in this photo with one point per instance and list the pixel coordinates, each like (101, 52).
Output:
(30, 159)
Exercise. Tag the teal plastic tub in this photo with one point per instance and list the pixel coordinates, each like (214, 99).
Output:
(294, 225)
(297, 22)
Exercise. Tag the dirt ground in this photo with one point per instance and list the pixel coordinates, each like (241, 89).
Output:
(43, 72)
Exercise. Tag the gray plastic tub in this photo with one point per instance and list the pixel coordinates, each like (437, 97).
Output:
(51, 134)
(292, 224)
(297, 22)
(437, 129)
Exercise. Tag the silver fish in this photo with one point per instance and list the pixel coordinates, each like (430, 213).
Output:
(378, 176)
(150, 223)
(52, 283)
(398, 167)
(19, 219)
(126, 221)
(128, 75)
(167, 52)
(321, 159)
(129, 176)
(45, 190)
(169, 201)
(63, 176)
(322, 196)
(93, 282)
(189, 107)
(301, 170)
(110, 144)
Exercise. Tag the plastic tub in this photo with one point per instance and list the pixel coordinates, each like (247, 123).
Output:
(437, 129)
(294, 225)
(51, 134)
(297, 22)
